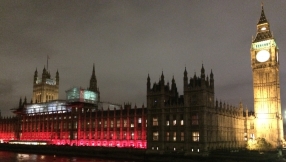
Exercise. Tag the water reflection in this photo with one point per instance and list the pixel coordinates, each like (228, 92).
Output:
(21, 157)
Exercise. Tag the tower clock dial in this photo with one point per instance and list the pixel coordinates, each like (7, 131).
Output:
(262, 56)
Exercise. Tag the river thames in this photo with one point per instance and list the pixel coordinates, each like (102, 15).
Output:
(6, 156)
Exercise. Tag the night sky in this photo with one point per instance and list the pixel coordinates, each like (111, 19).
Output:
(127, 40)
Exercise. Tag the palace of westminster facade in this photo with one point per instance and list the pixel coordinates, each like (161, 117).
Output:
(189, 123)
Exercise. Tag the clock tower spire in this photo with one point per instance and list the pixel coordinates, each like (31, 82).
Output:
(263, 28)
(266, 84)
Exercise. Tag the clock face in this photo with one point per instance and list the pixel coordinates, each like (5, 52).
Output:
(262, 56)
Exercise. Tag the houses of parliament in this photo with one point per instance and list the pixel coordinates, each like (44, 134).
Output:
(191, 123)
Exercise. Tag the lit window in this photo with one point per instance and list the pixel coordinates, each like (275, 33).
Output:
(263, 28)
(125, 123)
(155, 121)
(139, 120)
(174, 136)
(167, 123)
(131, 123)
(118, 123)
(111, 123)
(132, 135)
(182, 122)
(155, 136)
(174, 122)
(252, 137)
(196, 136)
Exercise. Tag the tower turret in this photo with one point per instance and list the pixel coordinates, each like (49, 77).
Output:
(20, 103)
(44, 75)
(162, 80)
(212, 80)
(93, 81)
(202, 72)
(35, 76)
(148, 83)
(46, 88)
(185, 79)
(25, 101)
(57, 77)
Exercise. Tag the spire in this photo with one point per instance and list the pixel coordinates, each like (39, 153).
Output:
(185, 72)
(35, 76)
(25, 101)
(57, 77)
(185, 79)
(263, 28)
(148, 83)
(211, 75)
(20, 102)
(36, 73)
(202, 72)
(212, 80)
(93, 72)
(44, 75)
(173, 80)
(93, 81)
(262, 19)
(162, 79)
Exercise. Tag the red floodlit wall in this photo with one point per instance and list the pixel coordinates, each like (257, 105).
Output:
(81, 127)
(7, 129)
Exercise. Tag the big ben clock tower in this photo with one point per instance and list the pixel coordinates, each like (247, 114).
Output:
(266, 85)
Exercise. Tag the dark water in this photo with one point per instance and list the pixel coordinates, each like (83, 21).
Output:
(21, 157)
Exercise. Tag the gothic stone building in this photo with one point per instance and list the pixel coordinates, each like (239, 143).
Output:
(192, 122)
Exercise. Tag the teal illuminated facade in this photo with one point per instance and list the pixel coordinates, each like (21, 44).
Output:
(81, 95)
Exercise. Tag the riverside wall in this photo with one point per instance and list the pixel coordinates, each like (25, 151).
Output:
(141, 155)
